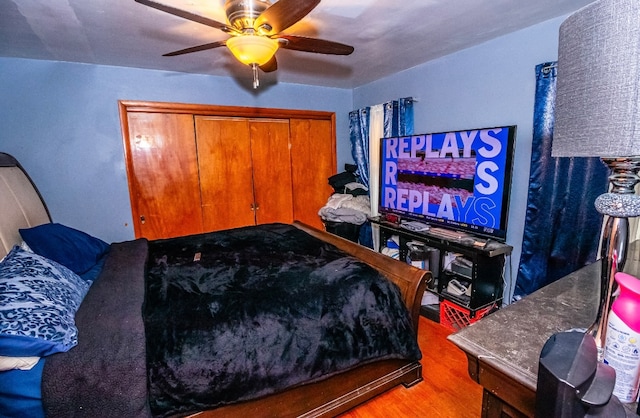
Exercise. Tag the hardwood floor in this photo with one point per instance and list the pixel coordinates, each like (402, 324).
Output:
(447, 391)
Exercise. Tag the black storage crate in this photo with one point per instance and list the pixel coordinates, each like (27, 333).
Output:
(343, 229)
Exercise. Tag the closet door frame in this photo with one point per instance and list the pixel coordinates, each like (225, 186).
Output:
(129, 106)
(132, 106)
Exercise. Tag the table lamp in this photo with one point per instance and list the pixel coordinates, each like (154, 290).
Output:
(597, 114)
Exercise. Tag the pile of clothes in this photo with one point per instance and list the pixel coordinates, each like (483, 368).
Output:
(347, 211)
(350, 206)
(350, 201)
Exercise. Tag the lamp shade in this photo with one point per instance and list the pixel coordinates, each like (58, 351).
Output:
(597, 109)
(252, 49)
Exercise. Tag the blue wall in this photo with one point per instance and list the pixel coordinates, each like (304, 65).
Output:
(492, 84)
(61, 121)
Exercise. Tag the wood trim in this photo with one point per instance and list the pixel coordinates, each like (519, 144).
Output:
(494, 407)
(473, 367)
(128, 161)
(502, 396)
(326, 398)
(225, 111)
(507, 392)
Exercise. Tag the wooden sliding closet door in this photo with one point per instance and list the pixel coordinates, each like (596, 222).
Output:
(271, 171)
(201, 168)
(163, 175)
(224, 158)
(245, 171)
(311, 146)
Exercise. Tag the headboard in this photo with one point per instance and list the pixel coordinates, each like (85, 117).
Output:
(21, 205)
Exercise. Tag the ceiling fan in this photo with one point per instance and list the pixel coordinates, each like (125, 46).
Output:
(256, 29)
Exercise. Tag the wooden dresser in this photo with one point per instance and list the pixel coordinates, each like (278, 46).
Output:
(503, 349)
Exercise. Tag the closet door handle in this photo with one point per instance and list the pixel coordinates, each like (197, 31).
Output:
(142, 219)
(255, 207)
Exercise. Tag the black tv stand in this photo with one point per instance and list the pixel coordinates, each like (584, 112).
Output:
(476, 263)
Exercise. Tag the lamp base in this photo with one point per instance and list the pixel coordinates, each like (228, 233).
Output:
(620, 204)
(621, 201)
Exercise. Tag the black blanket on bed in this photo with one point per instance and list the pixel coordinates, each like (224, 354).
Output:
(240, 314)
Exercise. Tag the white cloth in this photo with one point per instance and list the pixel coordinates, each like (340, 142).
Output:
(336, 201)
(17, 363)
(359, 203)
(346, 208)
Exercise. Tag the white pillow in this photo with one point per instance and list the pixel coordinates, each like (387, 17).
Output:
(19, 363)
(25, 247)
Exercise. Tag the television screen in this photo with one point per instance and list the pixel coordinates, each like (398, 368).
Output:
(458, 179)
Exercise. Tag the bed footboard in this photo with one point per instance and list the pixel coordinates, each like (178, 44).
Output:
(327, 398)
(411, 280)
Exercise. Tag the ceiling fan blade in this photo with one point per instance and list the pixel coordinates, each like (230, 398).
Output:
(282, 14)
(188, 15)
(318, 46)
(270, 66)
(196, 48)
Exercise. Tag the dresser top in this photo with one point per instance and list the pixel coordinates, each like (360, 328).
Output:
(511, 339)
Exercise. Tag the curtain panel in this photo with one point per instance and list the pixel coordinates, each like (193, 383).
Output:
(393, 118)
(562, 226)
(366, 127)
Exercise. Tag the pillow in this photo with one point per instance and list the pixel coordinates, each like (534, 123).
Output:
(38, 302)
(20, 392)
(73, 249)
(92, 274)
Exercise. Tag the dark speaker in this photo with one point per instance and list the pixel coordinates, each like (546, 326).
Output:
(571, 381)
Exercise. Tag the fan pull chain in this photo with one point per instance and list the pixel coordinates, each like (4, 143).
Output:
(256, 81)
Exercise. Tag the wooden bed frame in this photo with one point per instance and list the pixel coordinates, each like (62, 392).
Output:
(22, 207)
(342, 392)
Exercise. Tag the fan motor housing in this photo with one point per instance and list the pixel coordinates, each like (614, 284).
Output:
(242, 13)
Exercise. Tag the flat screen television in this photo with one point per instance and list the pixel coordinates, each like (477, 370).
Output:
(459, 180)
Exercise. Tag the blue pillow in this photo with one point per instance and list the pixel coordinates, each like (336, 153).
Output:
(92, 274)
(73, 249)
(38, 302)
(21, 393)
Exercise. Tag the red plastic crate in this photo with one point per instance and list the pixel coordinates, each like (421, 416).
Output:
(455, 317)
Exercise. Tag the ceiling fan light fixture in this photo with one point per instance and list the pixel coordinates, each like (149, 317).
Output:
(252, 49)
(256, 28)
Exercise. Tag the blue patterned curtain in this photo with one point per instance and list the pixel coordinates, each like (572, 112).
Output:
(359, 137)
(398, 120)
(562, 227)
(398, 117)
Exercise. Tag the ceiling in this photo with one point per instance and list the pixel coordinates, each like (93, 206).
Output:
(388, 35)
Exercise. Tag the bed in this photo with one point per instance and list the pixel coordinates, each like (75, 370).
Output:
(133, 354)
